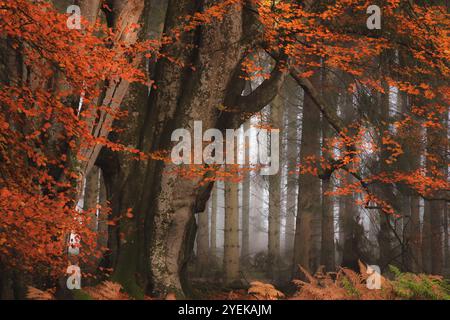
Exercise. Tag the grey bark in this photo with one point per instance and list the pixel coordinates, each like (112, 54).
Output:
(293, 108)
(273, 257)
(231, 234)
(245, 251)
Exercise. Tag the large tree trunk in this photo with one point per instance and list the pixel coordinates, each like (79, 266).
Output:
(153, 242)
(175, 197)
(128, 181)
(213, 83)
(163, 201)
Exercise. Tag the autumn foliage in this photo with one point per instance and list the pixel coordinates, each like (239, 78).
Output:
(54, 81)
(44, 127)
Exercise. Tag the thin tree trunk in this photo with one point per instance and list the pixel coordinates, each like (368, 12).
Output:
(202, 243)
(293, 104)
(436, 212)
(231, 233)
(341, 234)
(91, 192)
(350, 247)
(426, 238)
(414, 261)
(309, 193)
(102, 229)
(213, 225)
(432, 251)
(411, 255)
(273, 258)
(446, 212)
(385, 237)
(245, 252)
(327, 258)
(349, 228)
(446, 240)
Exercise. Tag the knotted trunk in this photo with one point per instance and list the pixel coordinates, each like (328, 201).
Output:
(153, 245)
(175, 197)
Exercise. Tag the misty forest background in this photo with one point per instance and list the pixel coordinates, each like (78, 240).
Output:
(363, 119)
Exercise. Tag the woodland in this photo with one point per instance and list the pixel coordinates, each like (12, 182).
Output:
(92, 206)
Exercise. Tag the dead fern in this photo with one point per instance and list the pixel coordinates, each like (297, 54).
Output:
(107, 290)
(264, 291)
(36, 294)
(319, 288)
(345, 284)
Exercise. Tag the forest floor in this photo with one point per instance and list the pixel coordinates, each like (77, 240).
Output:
(213, 288)
(345, 284)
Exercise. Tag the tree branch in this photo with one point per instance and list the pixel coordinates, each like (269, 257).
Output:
(327, 111)
(264, 93)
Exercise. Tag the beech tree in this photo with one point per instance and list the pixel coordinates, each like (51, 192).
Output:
(107, 97)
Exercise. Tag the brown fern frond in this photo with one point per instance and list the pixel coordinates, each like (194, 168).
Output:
(308, 275)
(36, 294)
(354, 278)
(264, 291)
(107, 290)
(345, 284)
(362, 268)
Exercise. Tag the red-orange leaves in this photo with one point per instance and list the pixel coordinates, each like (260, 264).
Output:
(43, 129)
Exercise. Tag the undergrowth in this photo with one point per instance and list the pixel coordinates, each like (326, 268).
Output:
(345, 284)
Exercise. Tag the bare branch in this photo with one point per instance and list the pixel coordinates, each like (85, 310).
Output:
(264, 93)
